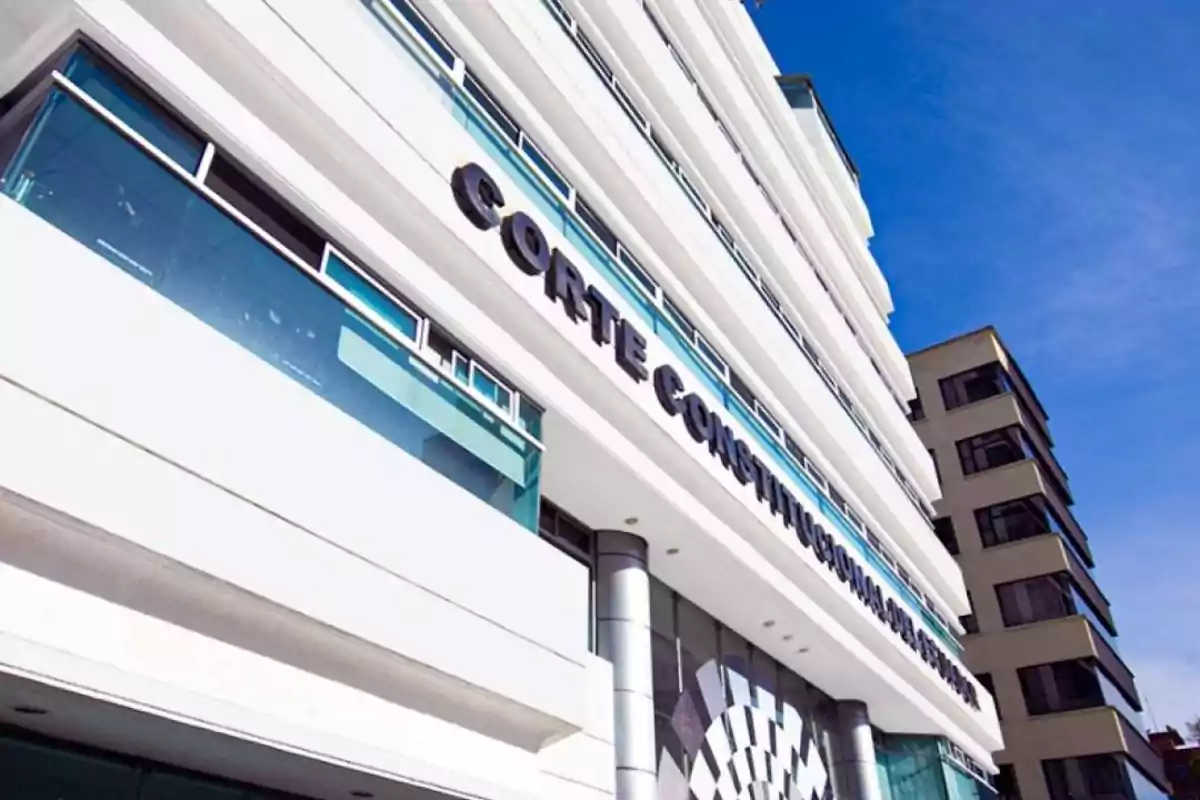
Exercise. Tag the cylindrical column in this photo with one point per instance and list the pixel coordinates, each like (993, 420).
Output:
(854, 755)
(623, 639)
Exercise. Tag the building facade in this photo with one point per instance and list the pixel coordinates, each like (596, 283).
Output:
(1041, 632)
(1181, 763)
(415, 399)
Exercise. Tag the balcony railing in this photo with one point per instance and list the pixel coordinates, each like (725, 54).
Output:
(106, 165)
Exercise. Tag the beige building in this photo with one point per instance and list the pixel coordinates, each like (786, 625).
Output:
(1042, 635)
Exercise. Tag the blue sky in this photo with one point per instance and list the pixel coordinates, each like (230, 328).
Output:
(1036, 165)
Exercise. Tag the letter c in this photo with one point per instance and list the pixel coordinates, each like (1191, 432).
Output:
(668, 386)
(477, 195)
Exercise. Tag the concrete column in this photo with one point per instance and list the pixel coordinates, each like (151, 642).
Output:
(854, 755)
(623, 639)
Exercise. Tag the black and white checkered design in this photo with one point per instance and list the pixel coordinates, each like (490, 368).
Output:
(739, 748)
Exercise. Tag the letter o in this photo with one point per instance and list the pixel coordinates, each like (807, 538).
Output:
(697, 418)
(525, 243)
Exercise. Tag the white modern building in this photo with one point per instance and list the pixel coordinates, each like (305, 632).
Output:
(414, 399)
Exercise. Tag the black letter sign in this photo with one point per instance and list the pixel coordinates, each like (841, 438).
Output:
(477, 196)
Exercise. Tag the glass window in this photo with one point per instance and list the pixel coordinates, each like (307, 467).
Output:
(680, 319)
(916, 411)
(136, 109)
(794, 449)
(529, 417)
(265, 210)
(694, 195)
(838, 501)
(985, 680)
(1100, 776)
(1011, 521)
(99, 188)
(1061, 686)
(593, 56)
(724, 234)
(491, 388)
(944, 528)
(1035, 599)
(743, 391)
(637, 271)
(973, 385)
(970, 622)
(491, 106)
(710, 353)
(36, 768)
(771, 298)
(991, 450)
(405, 322)
(42, 772)
(545, 166)
(427, 34)
(627, 104)
(767, 420)
(1006, 783)
(597, 226)
(663, 151)
(567, 533)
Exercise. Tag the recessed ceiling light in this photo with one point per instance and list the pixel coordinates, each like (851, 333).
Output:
(631, 520)
(672, 551)
(769, 623)
(361, 793)
(802, 650)
(787, 637)
(30, 711)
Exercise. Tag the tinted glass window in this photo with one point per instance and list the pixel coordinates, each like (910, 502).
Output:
(136, 109)
(263, 209)
(973, 385)
(1061, 686)
(1101, 776)
(944, 528)
(1035, 599)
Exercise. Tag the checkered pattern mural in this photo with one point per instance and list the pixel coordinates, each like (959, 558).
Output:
(733, 740)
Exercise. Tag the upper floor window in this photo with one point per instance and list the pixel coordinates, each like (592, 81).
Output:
(970, 622)
(1099, 776)
(993, 449)
(1012, 520)
(944, 528)
(916, 410)
(973, 385)
(1035, 599)
(985, 680)
(1006, 783)
(1061, 686)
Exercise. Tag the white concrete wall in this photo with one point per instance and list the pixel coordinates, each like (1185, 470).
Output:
(143, 429)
